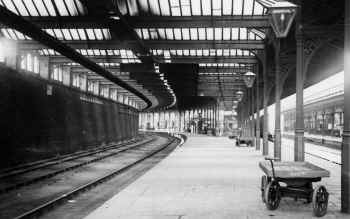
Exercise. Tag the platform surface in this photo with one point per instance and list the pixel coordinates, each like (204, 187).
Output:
(208, 177)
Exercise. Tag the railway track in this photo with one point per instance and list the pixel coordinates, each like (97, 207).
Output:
(22, 167)
(104, 170)
(32, 174)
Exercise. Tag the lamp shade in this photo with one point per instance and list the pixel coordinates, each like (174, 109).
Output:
(239, 95)
(281, 21)
(281, 15)
(249, 78)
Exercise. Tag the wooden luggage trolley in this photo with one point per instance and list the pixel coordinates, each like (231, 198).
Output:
(298, 178)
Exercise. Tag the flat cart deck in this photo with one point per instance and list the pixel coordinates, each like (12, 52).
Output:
(298, 178)
(244, 140)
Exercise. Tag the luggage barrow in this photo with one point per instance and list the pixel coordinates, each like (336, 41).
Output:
(244, 140)
(298, 177)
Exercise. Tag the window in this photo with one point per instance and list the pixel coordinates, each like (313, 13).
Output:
(30, 63)
(57, 73)
(36, 64)
(79, 81)
(113, 94)
(104, 92)
(93, 87)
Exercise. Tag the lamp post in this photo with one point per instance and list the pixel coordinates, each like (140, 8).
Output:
(281, 15)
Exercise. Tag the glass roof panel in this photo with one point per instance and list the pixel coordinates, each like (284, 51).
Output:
(194, 33)
(50, 7)
(185, 34)
(175, 7)
(62, 9)
(177, 33)
(58, 33)
(80, 7)
(218, 34)
(227, 7)
(75, 34)
(90, 34)
(216, 8)
(143, 5)
(196, 7)
(21, 7)
(50, 31)
(243, 33)
(210, 33)
(145, 34)
(132, 5)
(164, 7)
(161, 33)
(154, 7)
(41, 8)
(226, 33)
(82, 34)
(169, 34)
(201, 33)
(8, 4)
(234, 33)
(185, 8)
(31, 8)
(98, 34)
(248, 7)
(71, 7)
(258, 9)
(66, 34)
(153, 33)
(138, 31)
(206, 7)
(97, 52)
(237, 7)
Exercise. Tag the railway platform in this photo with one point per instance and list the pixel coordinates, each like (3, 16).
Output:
(209, 177)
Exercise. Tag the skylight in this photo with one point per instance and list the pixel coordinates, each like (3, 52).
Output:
(208, 33)
(45, 7)
(192, 7)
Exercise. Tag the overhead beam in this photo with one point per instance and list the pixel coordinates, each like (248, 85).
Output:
(177, 59)
(248, 21)
(152, 44)
(240, 70)
(222, 70)
(198, 21)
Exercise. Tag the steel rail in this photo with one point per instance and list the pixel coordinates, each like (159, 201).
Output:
(51, 204)
(62, 170)
(20, 169)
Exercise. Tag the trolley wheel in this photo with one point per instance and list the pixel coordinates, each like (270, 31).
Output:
(320, 201)
(263, 186)
(272, 195)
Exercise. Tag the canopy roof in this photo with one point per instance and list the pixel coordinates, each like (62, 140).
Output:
(223, 37)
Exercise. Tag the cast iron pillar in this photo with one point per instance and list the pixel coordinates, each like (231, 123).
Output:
(299, 146)
(257, 135)
(266, 114)
(248, 124)
(277, 142)
(253, 117)
(345, 154)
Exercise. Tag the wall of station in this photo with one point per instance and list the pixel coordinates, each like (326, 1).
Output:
(42, 118)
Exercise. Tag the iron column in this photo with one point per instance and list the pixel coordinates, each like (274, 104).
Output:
(257, 135)
(266, 114)
(345, 154)
(299, 110)
(277, 145)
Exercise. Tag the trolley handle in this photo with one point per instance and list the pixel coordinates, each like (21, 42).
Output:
(271, 159)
